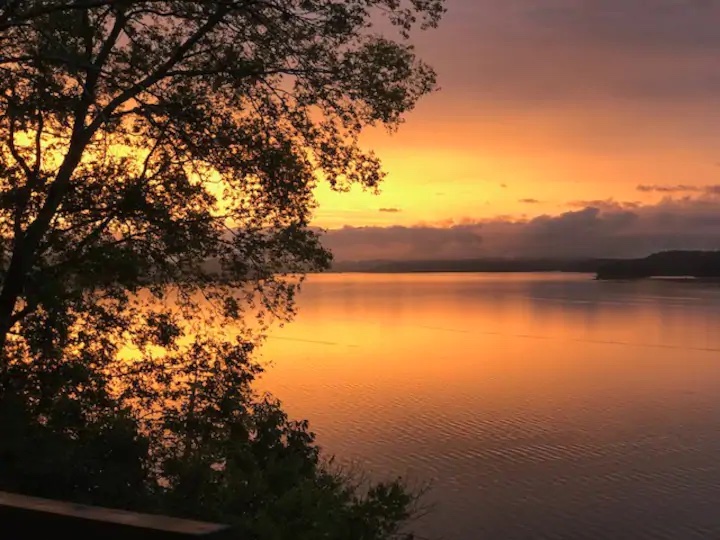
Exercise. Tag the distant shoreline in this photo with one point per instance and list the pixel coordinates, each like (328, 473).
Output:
(667, 265)
(334, 271)
(587, 266)
(699, 265)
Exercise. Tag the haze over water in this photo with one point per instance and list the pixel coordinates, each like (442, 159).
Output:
(540, 406)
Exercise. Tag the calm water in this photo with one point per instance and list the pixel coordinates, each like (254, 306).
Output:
(539, 406)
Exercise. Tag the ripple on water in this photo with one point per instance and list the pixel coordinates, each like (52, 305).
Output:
(537, 408)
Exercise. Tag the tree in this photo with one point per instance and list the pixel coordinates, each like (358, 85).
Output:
(142, 139)
(157, 166)
(225, 454)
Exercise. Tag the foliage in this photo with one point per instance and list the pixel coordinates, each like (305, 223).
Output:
(157, 166)
(222, 454)
(176, 144)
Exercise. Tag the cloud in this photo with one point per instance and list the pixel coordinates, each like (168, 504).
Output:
(658, 25)
(679, 188)
(642, 50)
(390, 210)
(607, 230)
(420, 242)
(529, 201)
(605, 204)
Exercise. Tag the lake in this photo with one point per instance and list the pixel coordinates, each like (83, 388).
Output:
(539, 406)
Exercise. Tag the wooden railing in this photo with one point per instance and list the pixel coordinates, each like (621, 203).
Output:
(24, 517)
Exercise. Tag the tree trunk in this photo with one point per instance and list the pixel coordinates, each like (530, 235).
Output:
(12, 287)
(25, 248)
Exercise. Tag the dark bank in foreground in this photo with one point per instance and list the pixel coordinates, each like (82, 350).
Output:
(35, 516)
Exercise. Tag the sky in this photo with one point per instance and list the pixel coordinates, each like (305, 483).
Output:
(570, 127)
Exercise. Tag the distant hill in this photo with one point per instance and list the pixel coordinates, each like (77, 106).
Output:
(698, 264)
(472, 265)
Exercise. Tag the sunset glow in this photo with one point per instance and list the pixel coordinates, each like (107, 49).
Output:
(546, 110)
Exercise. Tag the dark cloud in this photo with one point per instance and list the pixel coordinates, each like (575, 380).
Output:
(660, 25)
(390, 210)
(569, 51)
(367, 243)
(605, 204)
(679, 188)
(529, 201)
(594, 231)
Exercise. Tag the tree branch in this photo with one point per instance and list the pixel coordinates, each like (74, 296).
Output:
(17, 156)
(161, 72)
(38, 144)
(9, 19)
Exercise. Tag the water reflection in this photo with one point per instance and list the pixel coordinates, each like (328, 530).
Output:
(541, 406)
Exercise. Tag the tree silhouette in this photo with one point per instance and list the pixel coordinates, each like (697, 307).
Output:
(140, 139)
(157, 166)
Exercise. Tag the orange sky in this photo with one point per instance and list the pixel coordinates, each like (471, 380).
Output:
(544, 109)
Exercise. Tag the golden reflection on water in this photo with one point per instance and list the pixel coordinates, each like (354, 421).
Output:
(495, 333)
(479, 381)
